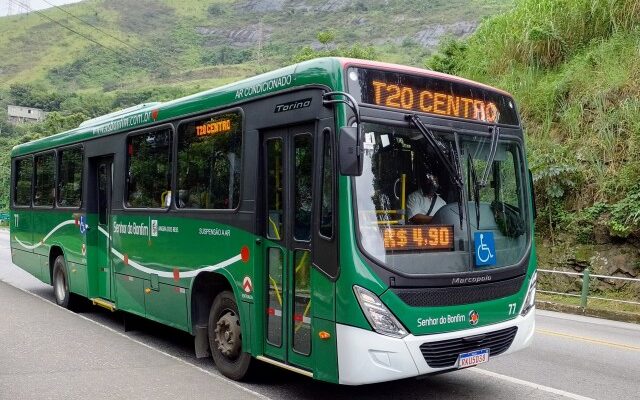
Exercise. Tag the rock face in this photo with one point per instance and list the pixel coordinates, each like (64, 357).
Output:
(617, 260)
(265, 6)
(243, 37)
(430, 37)
(260, 6)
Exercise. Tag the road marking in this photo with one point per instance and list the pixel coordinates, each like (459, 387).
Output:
(216, 376)
(530, 384)
(589, 340)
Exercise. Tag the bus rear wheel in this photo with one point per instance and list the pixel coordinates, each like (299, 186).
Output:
(60, 282)
(225, 338)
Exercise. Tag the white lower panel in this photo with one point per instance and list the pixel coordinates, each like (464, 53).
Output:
(368, 357)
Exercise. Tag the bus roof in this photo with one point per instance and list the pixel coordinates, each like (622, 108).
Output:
(321, 71)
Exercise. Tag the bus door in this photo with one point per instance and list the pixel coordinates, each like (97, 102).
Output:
(103, 192)
(287, 180)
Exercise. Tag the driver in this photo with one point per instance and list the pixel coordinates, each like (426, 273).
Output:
(423, 204)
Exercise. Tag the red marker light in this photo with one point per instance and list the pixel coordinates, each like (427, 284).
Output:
(244, 254)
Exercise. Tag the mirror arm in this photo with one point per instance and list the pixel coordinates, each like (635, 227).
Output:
(350, 101)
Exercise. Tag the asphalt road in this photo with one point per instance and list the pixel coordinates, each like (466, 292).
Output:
(47, 352)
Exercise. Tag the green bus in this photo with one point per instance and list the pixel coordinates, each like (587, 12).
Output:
(349, 220)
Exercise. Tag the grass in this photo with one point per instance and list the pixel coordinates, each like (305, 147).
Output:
(572, 67)
(591, 303)
(170, 33)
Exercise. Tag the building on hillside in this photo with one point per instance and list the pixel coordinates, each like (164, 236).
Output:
(21, 115)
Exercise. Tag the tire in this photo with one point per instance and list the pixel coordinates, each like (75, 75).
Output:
(225, 338)
(61, 282)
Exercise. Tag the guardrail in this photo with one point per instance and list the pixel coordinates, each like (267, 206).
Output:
(586, 281)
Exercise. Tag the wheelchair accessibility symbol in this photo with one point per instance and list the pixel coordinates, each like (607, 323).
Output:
(485, 248)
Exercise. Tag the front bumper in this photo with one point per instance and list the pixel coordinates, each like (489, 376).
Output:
(368, 357)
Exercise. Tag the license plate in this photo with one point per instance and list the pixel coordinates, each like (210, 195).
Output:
(473, 358)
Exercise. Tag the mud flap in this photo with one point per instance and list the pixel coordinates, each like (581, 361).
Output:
(202, 341)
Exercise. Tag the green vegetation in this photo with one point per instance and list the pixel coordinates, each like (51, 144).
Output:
(157, 42)
(572, 65)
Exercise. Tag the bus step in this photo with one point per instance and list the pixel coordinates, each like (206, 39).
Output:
(285, 366)
(103, 303)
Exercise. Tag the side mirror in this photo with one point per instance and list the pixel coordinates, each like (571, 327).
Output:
(349, 151)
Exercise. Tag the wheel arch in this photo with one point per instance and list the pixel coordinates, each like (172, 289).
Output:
(204, 289)
(54, 252)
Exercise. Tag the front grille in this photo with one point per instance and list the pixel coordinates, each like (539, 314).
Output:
(452, 296)
(445, 353)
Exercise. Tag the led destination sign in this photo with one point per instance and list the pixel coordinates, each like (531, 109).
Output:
(415, 99)
(213, 127)
(426, 94)
(425, 237)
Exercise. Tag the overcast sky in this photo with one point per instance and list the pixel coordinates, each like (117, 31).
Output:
(20, 6)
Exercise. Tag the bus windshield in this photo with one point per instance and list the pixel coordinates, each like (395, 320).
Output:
(414, 217)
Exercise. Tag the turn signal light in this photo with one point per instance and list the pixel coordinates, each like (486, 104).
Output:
(324, 335)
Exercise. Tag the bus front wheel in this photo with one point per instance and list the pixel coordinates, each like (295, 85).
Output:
(60, 282)
(225, 337)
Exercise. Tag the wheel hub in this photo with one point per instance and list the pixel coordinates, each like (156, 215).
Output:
(227, 335)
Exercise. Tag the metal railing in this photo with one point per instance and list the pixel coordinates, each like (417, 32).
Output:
(586, 282)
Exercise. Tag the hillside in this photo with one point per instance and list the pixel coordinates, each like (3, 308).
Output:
(151, 42)
(573, 67)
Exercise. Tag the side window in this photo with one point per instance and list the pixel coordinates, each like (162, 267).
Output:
(70, 177)
(303, 157)
(149, 170)
(506, 185)
(326, 207)
(44, 184)
(22, 185)
(209, 160)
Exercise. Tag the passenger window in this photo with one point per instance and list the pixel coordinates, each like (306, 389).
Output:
(44, 192)
(149, 170)
(70, 178)
(326, 207)
(209, 160)
(22, 187)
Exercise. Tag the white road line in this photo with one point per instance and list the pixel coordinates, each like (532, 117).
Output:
(216, 376)
(537, 386)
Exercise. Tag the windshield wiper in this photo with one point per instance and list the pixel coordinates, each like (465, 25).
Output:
(456, 162)
(495, 137)
(453, 168)
(431, 139)
(476, 189)
(477, 185)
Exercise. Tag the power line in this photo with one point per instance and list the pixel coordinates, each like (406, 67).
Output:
(28, 8)
(158, 55)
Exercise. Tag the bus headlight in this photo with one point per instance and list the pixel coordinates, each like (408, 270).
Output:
(530, 300)
(378, 315)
